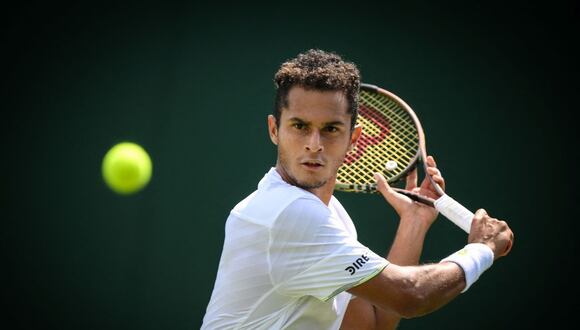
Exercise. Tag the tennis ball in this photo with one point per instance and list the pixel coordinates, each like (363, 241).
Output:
(126, 168)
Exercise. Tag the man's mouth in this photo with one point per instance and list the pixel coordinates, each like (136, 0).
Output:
(312, 164)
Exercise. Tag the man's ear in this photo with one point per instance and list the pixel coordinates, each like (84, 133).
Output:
(357, 131)
(273, 129)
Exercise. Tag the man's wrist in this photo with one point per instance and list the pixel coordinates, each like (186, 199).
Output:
(474, 259)
(415, 223)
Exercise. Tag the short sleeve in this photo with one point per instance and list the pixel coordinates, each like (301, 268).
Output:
(312, 253)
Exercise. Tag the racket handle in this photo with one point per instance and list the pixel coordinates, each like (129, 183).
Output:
(455, 212)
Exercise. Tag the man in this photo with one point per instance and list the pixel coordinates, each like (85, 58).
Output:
(291, 258)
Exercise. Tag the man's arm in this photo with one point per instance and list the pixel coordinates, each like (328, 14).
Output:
(409, 291)
(413, 291)
(405, 250)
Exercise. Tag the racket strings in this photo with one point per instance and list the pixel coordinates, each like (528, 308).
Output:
(389, 135)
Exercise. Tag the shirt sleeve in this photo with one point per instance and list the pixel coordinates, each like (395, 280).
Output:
(312, 253)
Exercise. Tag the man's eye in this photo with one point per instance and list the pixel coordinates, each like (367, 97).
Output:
(299, 126)
(331, 129)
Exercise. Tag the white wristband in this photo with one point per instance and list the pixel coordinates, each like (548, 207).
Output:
(474, 259)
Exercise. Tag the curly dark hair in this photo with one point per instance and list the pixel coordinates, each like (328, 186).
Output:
(317, 70)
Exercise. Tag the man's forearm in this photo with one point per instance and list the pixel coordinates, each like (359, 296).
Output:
(408, 244)
(405, 250)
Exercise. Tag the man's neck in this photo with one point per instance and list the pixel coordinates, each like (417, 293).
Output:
(324, 192)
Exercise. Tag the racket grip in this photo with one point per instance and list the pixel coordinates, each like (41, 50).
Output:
(455, 212)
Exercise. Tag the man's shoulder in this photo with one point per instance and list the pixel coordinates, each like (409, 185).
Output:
(264, 206)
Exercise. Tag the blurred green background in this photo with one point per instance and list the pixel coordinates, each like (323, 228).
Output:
(192, 83)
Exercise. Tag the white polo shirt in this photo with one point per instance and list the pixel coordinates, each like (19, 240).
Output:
(287, 262)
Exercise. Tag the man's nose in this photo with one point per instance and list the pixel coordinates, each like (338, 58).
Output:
(314, 143)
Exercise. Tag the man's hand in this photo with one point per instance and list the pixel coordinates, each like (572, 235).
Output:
(493, 232)
(405, 207)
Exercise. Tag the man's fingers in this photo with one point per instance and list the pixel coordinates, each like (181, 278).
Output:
(436, 175)
(509, 246)
(510, 243)
(480, 214)
(493, 232)
(431, 161)
(383, 186)
(433, 171)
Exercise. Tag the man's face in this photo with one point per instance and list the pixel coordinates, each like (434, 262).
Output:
(313, 137)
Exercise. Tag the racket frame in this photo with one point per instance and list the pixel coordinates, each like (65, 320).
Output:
(446, 205)
(419, 156)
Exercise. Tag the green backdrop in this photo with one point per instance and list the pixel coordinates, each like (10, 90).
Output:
(192, 83)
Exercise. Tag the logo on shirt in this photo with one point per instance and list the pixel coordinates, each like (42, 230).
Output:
(359, 262)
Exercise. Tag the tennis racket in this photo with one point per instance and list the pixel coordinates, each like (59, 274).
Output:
(392, 143)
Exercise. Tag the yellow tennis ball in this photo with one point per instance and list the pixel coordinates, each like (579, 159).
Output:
(126, 168)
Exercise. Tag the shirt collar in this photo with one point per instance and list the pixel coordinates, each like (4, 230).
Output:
(271, 178)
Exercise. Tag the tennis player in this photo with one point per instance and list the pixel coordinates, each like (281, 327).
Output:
(291, 258)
